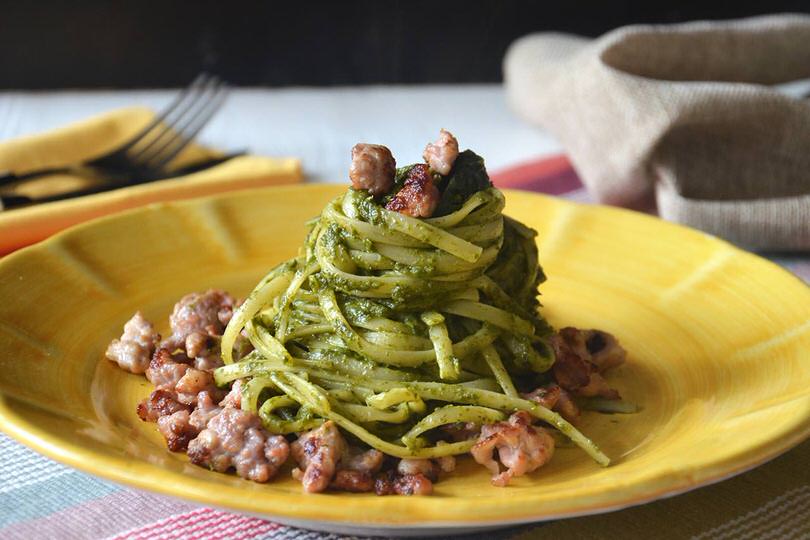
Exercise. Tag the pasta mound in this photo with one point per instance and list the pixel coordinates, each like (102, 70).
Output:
(391, 326)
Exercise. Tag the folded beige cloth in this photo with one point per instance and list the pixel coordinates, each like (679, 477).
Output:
(683, 113)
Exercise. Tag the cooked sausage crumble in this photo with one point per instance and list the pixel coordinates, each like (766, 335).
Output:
(442, 154)
(419, 196)
(372, 168)
(133, 350)
(521, 447)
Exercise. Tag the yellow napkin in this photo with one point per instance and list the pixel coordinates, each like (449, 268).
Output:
(95, 136)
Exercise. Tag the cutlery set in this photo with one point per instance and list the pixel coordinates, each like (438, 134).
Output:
(144, 158)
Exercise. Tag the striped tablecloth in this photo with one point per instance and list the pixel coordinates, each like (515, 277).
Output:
(40, 498)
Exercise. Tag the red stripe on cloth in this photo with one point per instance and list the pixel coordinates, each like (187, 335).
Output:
(192, 529)
(251, 528)
(224, 526)
(553, 175)
(91, 519)
(218, 524)
(202, 523)
(158, 526)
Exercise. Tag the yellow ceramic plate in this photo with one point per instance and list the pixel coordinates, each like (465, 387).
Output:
(718, 342)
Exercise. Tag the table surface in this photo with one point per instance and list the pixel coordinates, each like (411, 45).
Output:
(40, 498)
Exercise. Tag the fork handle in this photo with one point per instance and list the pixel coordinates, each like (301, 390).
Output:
(8, 202)
(8, 177)
(12, 201)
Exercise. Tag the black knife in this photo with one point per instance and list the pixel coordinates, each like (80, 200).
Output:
(14, 201)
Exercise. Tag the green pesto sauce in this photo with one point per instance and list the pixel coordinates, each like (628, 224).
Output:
(361, 309)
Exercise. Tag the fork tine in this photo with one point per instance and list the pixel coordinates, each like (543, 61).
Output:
(171, 128)
(187, 130)
(161, 135)
(157, 121)
(167, 130)
(190, 131)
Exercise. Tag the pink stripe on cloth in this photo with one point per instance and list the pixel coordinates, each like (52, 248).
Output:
(552, 175)
(161, 525)
(97, 518)
(201, 523)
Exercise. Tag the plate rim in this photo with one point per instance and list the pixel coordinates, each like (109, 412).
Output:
(114, 468)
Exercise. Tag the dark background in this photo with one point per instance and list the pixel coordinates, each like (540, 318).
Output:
(50, 44)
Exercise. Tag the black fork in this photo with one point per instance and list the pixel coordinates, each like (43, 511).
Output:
(147, 153)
